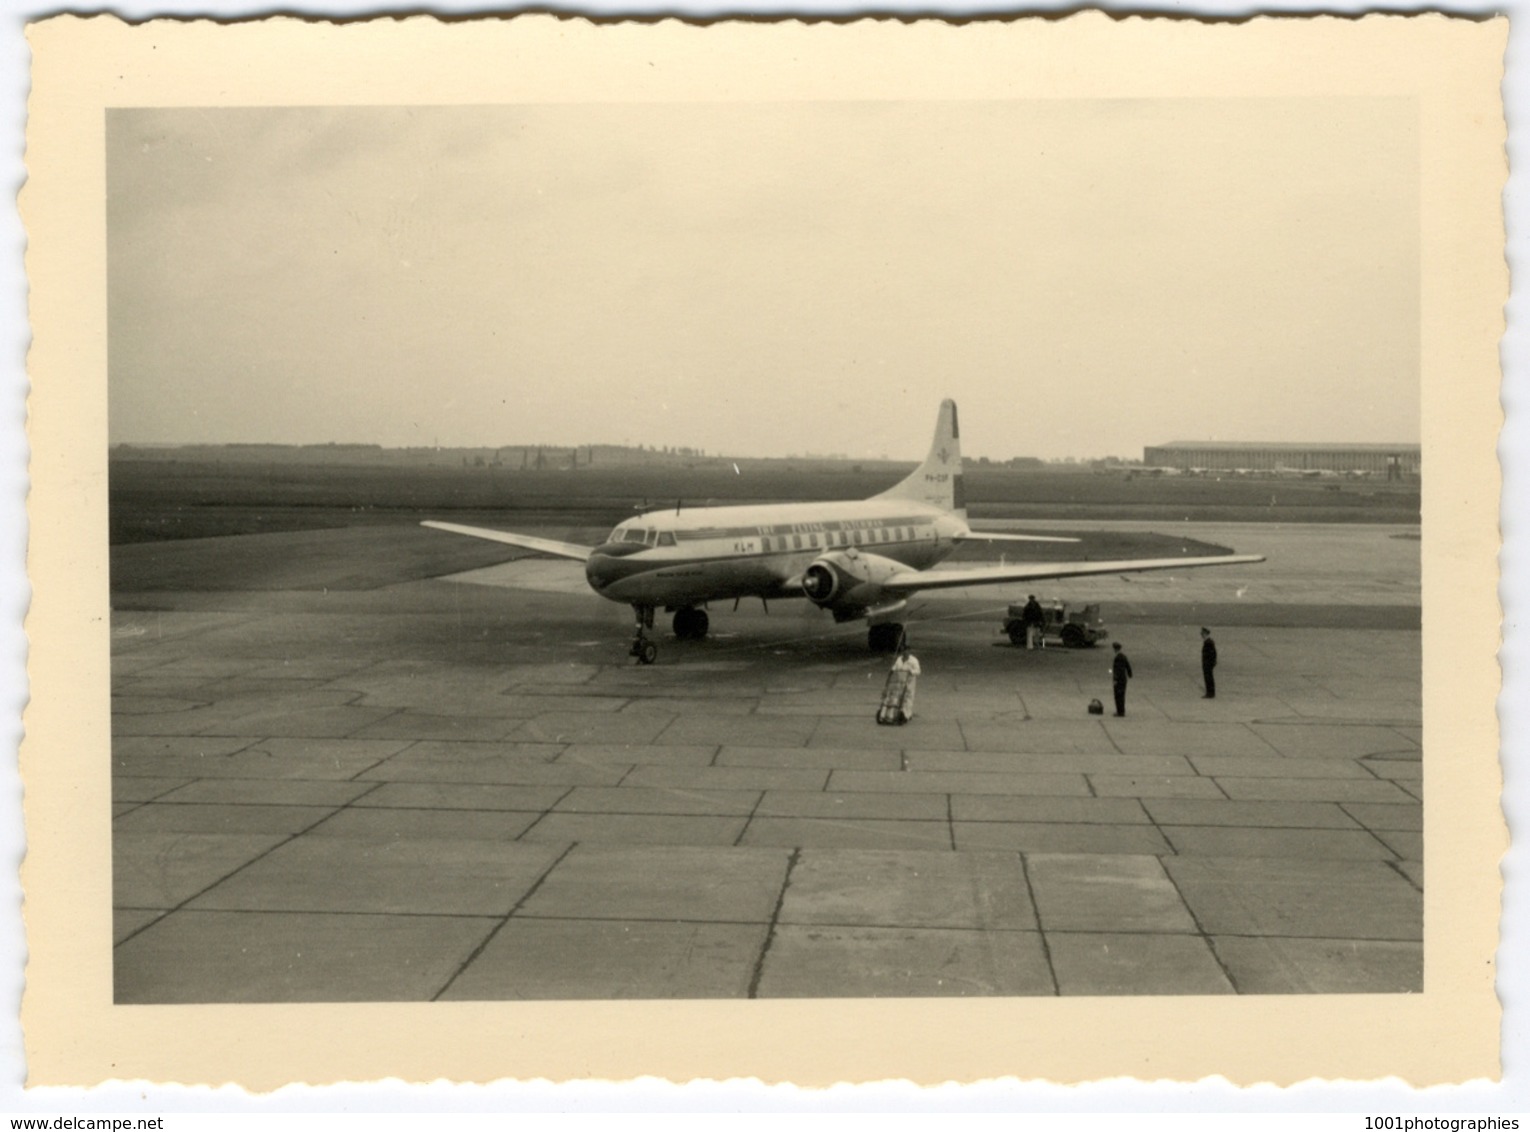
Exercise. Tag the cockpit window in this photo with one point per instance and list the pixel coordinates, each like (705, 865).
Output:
(639, 535)
(666, 538)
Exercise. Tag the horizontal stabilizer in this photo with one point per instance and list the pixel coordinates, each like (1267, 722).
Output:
(525, 542)
(910, 581)
(995, 536)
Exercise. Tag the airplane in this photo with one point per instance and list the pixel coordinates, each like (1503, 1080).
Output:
(858, 559)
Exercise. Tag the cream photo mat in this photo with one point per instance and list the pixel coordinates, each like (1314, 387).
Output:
(73, 1032)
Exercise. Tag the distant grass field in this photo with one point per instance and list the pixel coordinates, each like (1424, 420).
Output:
(154, 500)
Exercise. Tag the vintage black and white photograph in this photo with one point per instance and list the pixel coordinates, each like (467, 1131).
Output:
(773, 550)
(820, 547)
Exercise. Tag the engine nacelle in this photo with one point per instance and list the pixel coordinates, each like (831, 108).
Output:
(848, 579)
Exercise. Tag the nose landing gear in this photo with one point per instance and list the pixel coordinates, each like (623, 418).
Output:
(642, 648)
(691, 624)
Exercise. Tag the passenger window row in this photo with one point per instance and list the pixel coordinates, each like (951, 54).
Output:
(648, 536)
(876, 536)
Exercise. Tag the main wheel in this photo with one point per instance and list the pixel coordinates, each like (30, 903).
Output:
(885, 637)
(691, 624)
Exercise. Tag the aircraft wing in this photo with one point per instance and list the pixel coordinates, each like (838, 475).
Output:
(910, 581)
(526, 542)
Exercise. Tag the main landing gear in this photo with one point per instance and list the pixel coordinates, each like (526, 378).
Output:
(885, 637)
(691, 624)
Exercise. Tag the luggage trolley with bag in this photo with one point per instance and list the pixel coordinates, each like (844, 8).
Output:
(894, 698)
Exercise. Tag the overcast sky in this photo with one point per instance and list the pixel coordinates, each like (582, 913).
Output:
(1084, 277)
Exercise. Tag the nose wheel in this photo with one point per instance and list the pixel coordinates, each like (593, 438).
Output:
(644, 650)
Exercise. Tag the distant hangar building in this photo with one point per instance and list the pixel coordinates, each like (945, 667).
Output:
(1389, 461)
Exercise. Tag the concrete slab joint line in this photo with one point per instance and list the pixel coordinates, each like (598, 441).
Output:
(1397, 867)
(770, 934)
(1201, 932)
(748, 821)
(505, 919)
(1041, 928)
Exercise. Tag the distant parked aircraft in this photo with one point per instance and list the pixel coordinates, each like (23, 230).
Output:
(859, 559)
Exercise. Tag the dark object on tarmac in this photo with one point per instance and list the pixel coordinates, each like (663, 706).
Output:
(894, 697)
(1074, 628)
(1096, 708)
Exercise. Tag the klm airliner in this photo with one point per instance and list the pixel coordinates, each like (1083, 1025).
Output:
(859, 559)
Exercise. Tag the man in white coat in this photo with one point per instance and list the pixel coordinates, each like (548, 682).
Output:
(908, 664)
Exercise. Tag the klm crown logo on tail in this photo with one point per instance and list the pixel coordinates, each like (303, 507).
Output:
(938, 480)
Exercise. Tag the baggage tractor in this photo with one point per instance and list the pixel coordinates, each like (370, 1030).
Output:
(894, 696)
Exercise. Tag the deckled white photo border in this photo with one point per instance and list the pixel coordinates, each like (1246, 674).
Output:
(69, 1042)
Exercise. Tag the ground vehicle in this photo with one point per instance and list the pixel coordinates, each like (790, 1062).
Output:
(1075, 628)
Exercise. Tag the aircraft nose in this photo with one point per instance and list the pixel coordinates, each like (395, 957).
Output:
(597, 569)
(608, 563)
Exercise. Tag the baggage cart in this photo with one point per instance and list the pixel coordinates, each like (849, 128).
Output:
(894, 699)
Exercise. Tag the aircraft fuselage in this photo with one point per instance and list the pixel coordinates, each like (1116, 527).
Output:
(683, 558)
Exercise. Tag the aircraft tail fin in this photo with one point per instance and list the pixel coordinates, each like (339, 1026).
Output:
(939, 479)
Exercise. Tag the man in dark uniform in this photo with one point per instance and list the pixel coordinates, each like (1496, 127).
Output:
(1208, 664)
(1033, 619)
(1120, 673)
